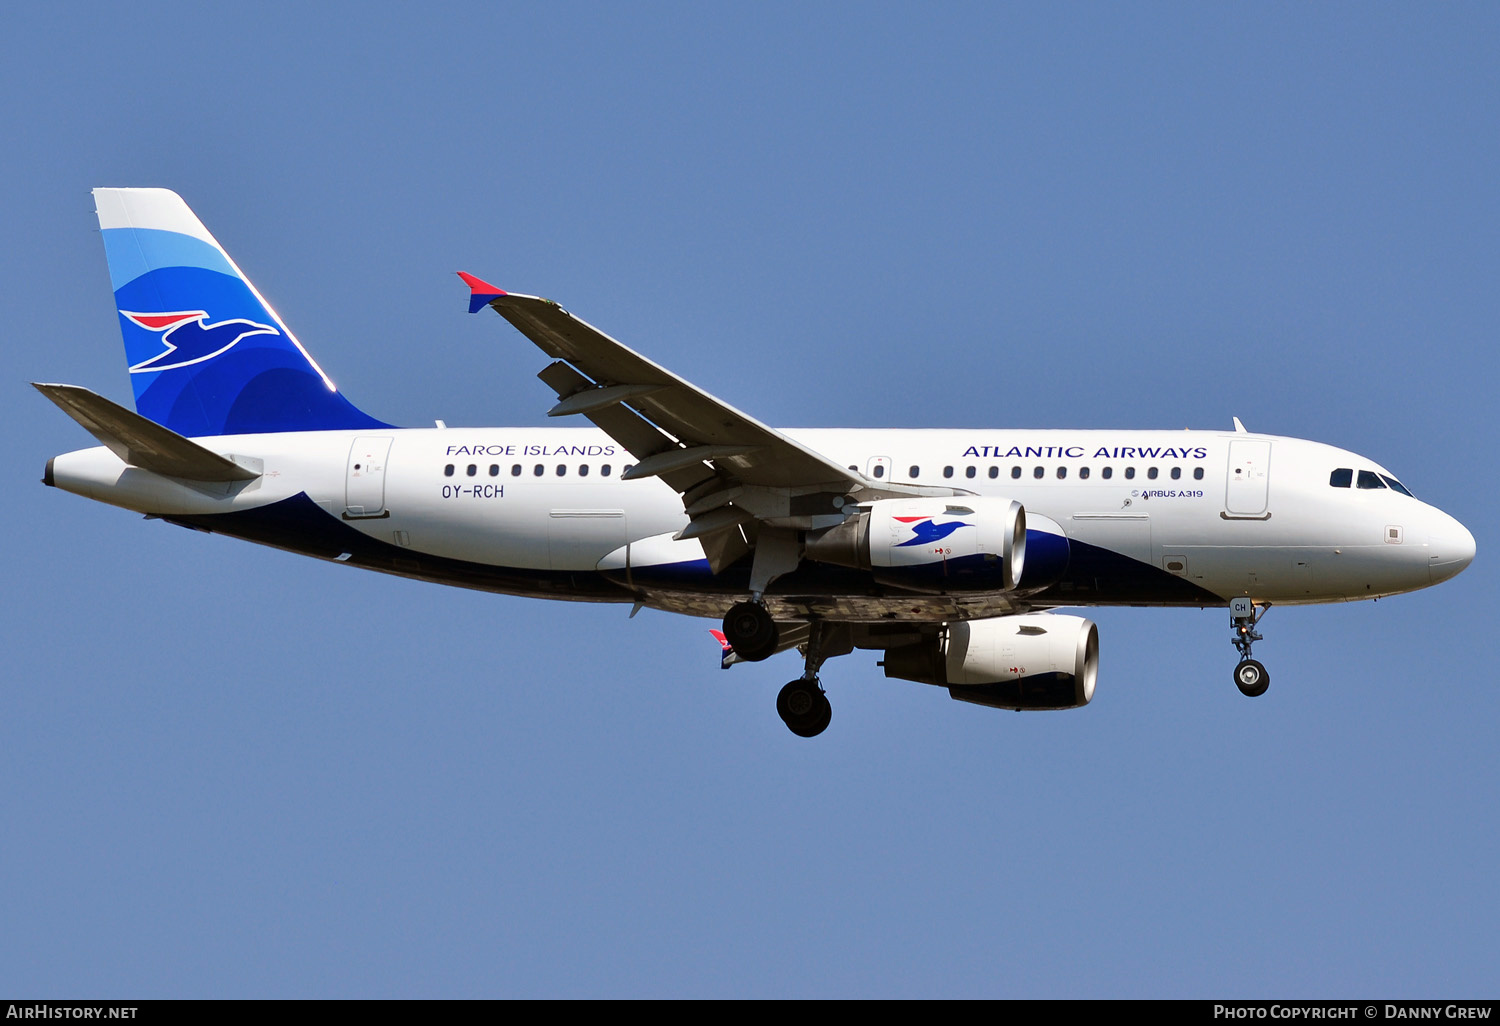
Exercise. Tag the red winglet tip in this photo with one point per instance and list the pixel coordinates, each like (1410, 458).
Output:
(479, 286)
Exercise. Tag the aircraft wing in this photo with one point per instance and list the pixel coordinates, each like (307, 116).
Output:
(733, 471)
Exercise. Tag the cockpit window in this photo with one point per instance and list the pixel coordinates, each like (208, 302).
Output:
(1397, 485)
(1370, 479)
(1342, 477)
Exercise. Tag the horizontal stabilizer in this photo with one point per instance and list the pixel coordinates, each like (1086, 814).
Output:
(140, 442)
(728, 656)
(792, 635)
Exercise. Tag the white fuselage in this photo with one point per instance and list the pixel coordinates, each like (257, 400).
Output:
(1230, 513)
(1224, 513)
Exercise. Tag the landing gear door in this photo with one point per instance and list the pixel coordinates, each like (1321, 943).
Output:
(1247, 493)
(364, 492)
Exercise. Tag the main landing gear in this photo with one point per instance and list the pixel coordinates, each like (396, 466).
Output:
(802, 705)
(1249, 676)
(749, 628)
(804, 708)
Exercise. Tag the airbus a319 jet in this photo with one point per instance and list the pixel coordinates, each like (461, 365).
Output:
(947, 550)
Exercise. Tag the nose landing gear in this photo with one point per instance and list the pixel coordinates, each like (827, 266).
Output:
(1249, 676)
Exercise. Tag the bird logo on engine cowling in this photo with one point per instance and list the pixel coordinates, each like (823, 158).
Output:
(925, 532)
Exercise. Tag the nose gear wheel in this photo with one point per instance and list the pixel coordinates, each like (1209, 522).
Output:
(1249, 676)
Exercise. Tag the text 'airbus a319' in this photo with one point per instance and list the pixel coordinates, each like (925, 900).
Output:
(944, 549)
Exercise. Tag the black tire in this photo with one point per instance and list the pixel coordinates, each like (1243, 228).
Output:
(825, 716)
(748, 627)
(804, 708)
(1251, 678)
(797, 701)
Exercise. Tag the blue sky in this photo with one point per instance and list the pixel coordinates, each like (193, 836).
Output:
(228, 771)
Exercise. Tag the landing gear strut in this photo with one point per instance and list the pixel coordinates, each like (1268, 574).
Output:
(749, 628)
(802, 705)
(1249, 676)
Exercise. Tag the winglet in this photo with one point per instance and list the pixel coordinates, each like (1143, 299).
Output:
(481, 292)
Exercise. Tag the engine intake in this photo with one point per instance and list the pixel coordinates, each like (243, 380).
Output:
(1036, 661)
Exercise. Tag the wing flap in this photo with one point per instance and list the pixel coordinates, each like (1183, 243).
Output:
(735, 474)
(640, 437)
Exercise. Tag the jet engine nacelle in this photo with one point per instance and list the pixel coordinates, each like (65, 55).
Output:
(965, 543)
(1036, 661)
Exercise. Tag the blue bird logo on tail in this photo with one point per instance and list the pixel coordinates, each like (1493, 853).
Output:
(189, 338)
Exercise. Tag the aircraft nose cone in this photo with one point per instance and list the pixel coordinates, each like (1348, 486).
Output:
(1451, 547)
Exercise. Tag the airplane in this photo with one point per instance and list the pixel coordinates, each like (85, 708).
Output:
(950, 551)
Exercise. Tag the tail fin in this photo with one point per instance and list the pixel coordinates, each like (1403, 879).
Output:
(207, 354)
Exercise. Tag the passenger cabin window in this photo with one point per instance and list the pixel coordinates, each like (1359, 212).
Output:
(1038, 472)
(538, 470)
(1015, 472)
(1341, 478)
(1152, 473)
(448, 470)
(947, 471)
(1176, 473)
(994, 473)
(604, 470)
(1130, 473)
(880, 470)
(914, 472)
(583, 471)
(1083, 473)
(472, 470)
(1197, 473)
(1370, 479)
(1107, 473)
(515, 470)
(1062, 472)
(494, 470)
(970, 472)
